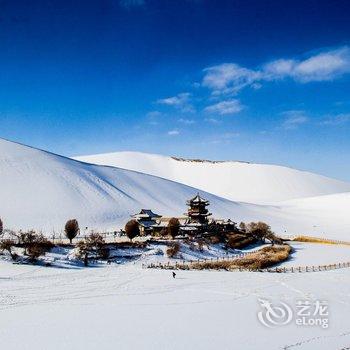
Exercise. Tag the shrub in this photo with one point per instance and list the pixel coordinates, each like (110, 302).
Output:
(93, 246)
(132, 229)
(237, 241)
(173, 227)
(35, 245)
(273, 238)
(200, 243)
(197, 244)
(8, 245)
(215, 239)
(263, 258)
(260, 231)
(242, 226)
(212, 265)
(71, 229)
(26, 239)
(173, 249)
(163, 232)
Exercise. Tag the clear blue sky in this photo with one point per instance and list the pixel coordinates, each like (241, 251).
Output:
(262, 81)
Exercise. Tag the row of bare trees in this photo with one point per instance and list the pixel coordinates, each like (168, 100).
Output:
(34, 244)
(259, 231)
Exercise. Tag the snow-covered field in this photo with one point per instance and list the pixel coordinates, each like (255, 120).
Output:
(127, 307)
(124, 306)
(314, 254)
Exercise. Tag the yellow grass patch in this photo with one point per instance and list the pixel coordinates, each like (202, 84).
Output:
(265, 257)
(309, 239)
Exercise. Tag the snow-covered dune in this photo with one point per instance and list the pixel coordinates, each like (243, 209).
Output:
(42, 190)
(238, 181)
(323, 216)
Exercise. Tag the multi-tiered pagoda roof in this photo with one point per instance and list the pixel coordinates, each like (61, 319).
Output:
(197, 211)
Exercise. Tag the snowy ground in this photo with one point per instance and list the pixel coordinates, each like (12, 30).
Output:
(317, 254)
(124, 306)
(127, 307)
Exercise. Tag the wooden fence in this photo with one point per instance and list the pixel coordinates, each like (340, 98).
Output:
(293, 269)
(191, 262)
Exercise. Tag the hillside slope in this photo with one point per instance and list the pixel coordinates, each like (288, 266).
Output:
(238, 181)
(323, 216)
(42, 190)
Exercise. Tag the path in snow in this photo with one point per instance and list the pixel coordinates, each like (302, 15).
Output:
(126, 307)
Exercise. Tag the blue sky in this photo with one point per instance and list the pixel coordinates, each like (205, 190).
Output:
(261, 81)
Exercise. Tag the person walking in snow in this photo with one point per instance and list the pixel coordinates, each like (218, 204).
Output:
(174, 274)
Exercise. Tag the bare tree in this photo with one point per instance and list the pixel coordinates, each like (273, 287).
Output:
(273, 238)
(173, 249)
(262, 232)
(26, 239)
(132, 229)
(243, 226)
(93, 246)
(173, 227)
(8, 245)
(71, 229)
(35, 245)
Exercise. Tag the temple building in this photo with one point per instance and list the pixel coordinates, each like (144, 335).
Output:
(229, 226)
(197, 212)
(147, 220)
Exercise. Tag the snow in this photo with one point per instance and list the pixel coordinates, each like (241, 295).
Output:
(121, 305)
(132, 308)
(314, 254)
(41, 190)
(323, 216)
(237, 181)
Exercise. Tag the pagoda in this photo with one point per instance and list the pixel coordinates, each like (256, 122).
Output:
(197, 212)
(147, 220)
